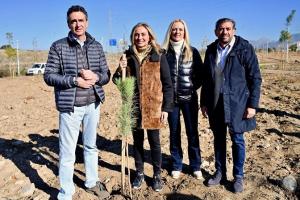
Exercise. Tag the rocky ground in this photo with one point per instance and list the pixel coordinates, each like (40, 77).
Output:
(29, 145)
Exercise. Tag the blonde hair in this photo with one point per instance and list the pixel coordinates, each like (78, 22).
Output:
(152, 36)
(188, 53)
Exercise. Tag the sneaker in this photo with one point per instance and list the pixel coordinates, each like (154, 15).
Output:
(99, 190)
(198, 175)
(157, 183)
(216, 179)
(139, 179)
(175, 174)
(238, 185)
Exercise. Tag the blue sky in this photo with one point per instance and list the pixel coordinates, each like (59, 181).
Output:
(45, 21)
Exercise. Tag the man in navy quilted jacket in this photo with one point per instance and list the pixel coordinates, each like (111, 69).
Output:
(229, 97)
(77, 70)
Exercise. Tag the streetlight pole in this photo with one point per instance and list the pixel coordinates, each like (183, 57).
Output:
(267, 47)
(18, 62)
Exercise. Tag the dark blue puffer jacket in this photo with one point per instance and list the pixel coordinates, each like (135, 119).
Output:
(62, 68)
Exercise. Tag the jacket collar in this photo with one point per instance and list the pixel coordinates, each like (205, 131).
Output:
(153, 55)
(240, 43)
(88, 41)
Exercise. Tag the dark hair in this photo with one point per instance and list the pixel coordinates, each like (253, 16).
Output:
(222, 20)
(76, 8)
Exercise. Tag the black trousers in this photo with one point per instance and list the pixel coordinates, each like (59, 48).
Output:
(138, 146)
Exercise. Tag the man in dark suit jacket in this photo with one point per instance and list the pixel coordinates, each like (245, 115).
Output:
(230, 95)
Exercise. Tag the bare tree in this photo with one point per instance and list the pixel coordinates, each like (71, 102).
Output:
(10, 52)
(10, 38)
(203, 47)
(34, 49)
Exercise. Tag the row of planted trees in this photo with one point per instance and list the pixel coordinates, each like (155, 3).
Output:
(10, 64)
(11, 53)
(285, 35)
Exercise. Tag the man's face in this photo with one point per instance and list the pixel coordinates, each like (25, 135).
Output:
(141, 37)
(78, 24)
(225, 33)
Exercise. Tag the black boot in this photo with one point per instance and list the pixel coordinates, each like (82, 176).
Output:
(157, 183)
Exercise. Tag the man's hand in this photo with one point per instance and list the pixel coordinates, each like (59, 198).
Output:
(89, 76)
(83, 83)
(249, 113)
(204, 111)
(164, 117)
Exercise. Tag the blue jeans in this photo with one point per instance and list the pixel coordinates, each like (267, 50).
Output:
(238, 153)
(219, 128)
(69, 126)
(190, 116)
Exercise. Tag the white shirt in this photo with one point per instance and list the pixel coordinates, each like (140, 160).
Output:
(78, 41)
(222, 53)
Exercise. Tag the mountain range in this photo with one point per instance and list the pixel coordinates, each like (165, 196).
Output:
(263, 43)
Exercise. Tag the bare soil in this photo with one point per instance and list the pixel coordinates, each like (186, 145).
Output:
(29, 144)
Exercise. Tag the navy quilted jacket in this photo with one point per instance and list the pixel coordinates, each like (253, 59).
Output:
(242, 82)
(62, 68)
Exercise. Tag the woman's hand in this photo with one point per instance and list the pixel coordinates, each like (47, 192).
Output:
(123, 65)
(204, 111)
(123, 62)
(164, 117)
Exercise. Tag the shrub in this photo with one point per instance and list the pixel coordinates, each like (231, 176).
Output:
(5, 46)
(4, 73)
(23, 71)
(293, 47)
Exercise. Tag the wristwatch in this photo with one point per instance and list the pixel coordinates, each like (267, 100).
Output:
(75, 81)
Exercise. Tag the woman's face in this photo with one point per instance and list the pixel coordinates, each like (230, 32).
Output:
(141, 37)
(177, 32)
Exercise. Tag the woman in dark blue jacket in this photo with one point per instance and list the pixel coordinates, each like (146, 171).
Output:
(185, 64)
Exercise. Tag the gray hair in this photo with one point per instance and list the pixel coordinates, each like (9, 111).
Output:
(222, 20)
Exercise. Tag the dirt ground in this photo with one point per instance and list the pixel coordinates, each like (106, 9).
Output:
(29, 145)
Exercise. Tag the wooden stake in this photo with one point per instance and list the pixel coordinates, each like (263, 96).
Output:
(123, 165)
(128, 168)
(123, 69)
